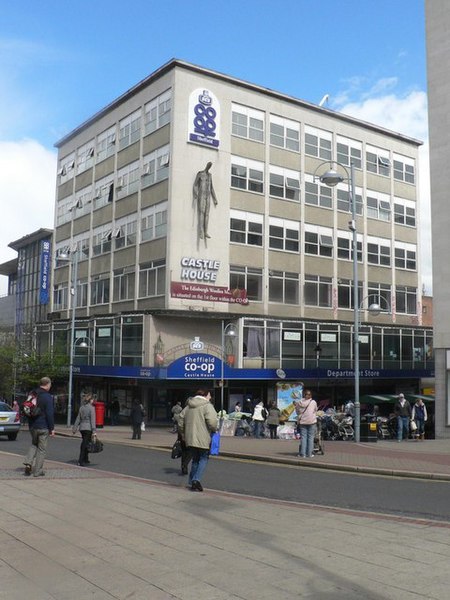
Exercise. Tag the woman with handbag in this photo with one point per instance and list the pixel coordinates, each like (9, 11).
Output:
(307, 418)
(85, 423)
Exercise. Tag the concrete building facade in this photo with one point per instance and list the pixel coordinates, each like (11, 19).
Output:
(193, 201)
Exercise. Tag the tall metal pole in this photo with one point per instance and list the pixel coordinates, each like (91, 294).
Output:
(221, 370)
(72, 334)
(355, 304)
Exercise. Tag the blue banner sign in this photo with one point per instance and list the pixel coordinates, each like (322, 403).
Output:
(44, 283)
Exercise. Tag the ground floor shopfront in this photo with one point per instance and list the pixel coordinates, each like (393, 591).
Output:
(159, 389)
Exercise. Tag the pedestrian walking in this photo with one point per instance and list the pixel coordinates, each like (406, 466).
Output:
(403, 413)
(137, 415)
(273, 420)
(419, 416)
(41, 427)
(176, 409)
(197, 421)
(115, 412)
(307, 418)
(258, 418)
(85, 424)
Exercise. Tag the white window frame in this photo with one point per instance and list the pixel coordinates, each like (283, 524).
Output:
(348, 248)
(244, 120)
(353, 153)
(128, 179)
(249, 232)
(381, 163)
(403, 254)
(154, 222)
(157, 112)
(130, 129)
(323, 194)
(404, 211)
(125, 232)
(380, 205)
(63, 212)
(323, 147)
(242, 274)
(101, 240)
(124, 279)
(322, 286)
(154, 273)
(155, 166)
(289, 137)
(323, 241)
(106, 144)
(66, 169)
(383, 256)
(409, 295)
(103, 191)
(245, 171)
(289, 241)
(285, 282)
(100, 289)
(404, 169)
(289, 186)
(85, 156)
(343, 203)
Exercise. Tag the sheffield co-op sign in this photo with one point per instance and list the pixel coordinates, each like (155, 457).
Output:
(195, 366)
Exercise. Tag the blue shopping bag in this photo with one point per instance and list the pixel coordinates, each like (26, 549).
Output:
(215, 444)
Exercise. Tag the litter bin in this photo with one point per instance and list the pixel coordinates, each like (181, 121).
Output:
(368, 431)
(99, 414)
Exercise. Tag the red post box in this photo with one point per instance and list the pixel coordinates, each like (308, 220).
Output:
(99, 414)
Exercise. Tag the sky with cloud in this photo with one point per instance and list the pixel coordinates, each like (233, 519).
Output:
(62, 62)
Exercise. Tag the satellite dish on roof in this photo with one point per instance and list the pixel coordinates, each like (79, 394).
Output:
(281, 374)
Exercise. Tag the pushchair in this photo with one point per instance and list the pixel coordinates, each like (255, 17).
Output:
(318, 437)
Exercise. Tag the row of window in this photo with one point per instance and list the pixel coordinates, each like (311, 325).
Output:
(102, 289)
(248, 229)
(152, 116)
(122, 233)
(318, 291)
(248, 175)
(284, 133)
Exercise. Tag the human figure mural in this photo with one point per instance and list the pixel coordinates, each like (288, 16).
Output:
(203, 192)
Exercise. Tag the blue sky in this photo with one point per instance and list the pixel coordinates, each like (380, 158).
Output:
(60, 62)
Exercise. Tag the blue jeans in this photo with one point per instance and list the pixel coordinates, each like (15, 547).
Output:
(200, 458)
(257, 428)
(307, 442)
(402, 427)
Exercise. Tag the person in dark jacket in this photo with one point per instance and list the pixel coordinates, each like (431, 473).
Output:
(403, 412)
(41, 427)
(85, 422)
(137, 417)
(273, 420)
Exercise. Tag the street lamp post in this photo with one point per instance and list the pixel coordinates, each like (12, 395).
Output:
(73, 258)
(318, 351)
(228, 332)
(332, 178)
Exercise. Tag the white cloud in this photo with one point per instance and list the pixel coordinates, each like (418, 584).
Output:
(405, 114)
(27, 188)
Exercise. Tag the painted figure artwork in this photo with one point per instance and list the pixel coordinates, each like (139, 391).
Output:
(203, 193)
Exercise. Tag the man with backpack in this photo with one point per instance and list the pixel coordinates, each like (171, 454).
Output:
(41, 424)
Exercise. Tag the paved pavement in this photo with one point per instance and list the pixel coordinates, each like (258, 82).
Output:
(82, 534)
(428, 459)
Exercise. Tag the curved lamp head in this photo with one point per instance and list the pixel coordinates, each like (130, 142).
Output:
(230, 330)
(331, 178)
(375, 309)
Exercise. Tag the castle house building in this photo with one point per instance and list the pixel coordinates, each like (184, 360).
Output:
(193, 203)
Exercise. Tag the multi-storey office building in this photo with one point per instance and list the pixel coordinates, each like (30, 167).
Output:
(169, 249)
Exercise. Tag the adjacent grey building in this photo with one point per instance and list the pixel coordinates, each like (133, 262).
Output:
(438, 59)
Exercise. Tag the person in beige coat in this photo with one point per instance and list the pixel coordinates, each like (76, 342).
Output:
(197, 421)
